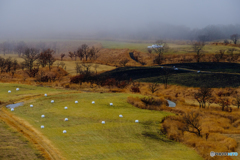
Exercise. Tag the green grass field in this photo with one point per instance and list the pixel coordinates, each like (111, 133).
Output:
(86, 137)
(174, 48)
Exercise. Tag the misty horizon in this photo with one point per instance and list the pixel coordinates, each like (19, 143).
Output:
(48, 19)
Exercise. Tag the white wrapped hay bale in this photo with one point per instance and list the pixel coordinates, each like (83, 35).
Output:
(43, 116)
(120, 116)
(17, 89)
(65, 107)
(103, 122)
(42, 126)
(111, 104)
(45, 94)
(66, 119)
(76, 101)
(198, 71)
(31, 105)
(93, 102)
(175, 69)
(52, 101)
(12, 109)
(64, 131)
(9, 91)
(136, 121)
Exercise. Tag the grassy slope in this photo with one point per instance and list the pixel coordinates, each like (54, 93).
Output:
(87, 138)
(14, 146)
(25, 92)
(70, 67)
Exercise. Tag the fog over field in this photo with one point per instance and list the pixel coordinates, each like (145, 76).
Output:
(131, 19)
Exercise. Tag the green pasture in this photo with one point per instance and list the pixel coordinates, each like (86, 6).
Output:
(173, 48)
(24, 91)
(87, 138)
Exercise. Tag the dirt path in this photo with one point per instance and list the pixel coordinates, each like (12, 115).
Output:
(34, 136)
(41, 142)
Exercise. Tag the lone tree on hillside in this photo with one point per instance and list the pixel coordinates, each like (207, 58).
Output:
(234, 38)
(30, 55)
(191, 122)
(162, 48)
(203, 96)
(197, 48)
(153, 87)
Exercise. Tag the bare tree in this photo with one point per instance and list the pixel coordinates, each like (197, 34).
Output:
(220, 55)
(49, 57)
(203, 95)
(20, 48)
(30, 55)
(167, 72)
(231, 56)
(80, 53)
(78, 67)
(2, 64)
(160, 49)
(15, 65)
(153, 87)
(62, 55)
(9, 64)
(197, 48)
(236, 101)
(123, 62)
(87, 68)
(191, 122)
(223, 102)
(46, 58)
(85, 50)
(92, 52)
(234, 38)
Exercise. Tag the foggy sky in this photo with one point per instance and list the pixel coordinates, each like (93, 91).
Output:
(36, 17)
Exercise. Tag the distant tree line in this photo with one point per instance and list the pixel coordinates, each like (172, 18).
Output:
(9, 47)
(84, 52)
